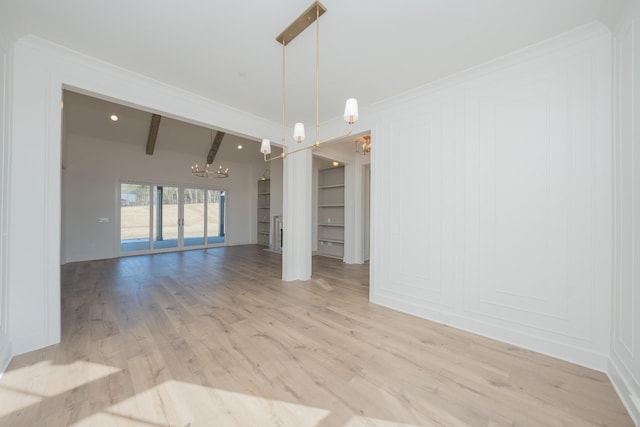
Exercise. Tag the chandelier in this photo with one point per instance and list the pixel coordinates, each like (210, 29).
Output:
(207, 172)
(351, 107)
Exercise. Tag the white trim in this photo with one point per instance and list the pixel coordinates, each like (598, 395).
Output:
(560, 350)
(5, 192)
(628, 393)
(625, 355)
(5, 354)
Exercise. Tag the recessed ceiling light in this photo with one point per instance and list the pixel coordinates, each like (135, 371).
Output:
(239, 147)
(114, 118)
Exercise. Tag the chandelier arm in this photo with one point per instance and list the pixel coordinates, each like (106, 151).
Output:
(309, 147)
(272, 158)
(336, 138)
(202, 174)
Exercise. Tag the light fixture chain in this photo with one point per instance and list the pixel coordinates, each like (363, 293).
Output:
(284, 94)
(317, 75)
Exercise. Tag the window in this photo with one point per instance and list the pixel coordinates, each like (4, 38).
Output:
(164, 218)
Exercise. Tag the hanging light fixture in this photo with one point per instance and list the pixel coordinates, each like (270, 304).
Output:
(310, 15)
(207, 172)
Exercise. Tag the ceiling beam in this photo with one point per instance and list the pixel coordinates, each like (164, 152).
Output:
(215, 145)
(153, 133)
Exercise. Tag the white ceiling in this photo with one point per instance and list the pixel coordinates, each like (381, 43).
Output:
(226, 50)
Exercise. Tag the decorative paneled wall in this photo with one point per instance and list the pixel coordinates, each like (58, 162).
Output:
(419, 204)
(493, 205)
(624, 368)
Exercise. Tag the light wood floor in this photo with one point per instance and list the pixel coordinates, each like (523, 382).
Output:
(214, 338)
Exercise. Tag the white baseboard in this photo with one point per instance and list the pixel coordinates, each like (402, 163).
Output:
(5, 354)
(622, 383)
(559, 350)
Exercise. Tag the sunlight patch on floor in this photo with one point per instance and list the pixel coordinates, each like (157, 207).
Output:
(169, 403)
(13, 401)
(47, 379)
(23, 387)
(179, 403)
(360, 421)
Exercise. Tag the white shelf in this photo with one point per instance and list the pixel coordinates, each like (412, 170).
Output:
(331, 249)
(331, 212)
(264, 212)
(332, 241)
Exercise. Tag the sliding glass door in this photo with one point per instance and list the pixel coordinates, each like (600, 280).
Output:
(166, 232)
(215, 216)
(135, 218)
(155, 218)
(194, 220)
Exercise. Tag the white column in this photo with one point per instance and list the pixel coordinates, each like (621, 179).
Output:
(354, 210)
(351, 222)
(296, 256)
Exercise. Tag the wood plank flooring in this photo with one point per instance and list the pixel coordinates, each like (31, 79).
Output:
(215, 338)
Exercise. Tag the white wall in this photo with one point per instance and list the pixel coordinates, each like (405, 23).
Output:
(5, 108)
(492, 201)
(40, 71)
(624, 367)
(94, 168)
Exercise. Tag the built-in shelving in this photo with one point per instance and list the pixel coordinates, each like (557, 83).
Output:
(264, 212)
(331, 212)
